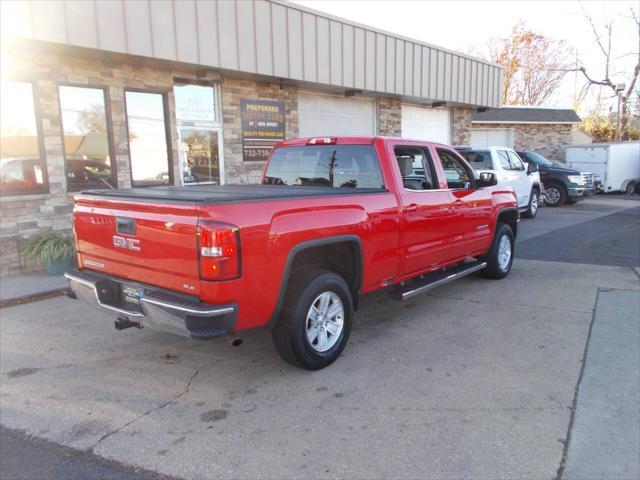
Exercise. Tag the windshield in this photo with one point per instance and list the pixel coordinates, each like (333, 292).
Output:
(335, 166)
(535, 158)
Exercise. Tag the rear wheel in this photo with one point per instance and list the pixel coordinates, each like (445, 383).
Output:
(556, 195)
(631, 188)
(500, 257)
(316, 320)
(534, 204)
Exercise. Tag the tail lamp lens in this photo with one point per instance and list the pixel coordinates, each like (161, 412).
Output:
(219, 251)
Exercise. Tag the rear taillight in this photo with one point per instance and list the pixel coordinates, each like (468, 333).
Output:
(219, 251)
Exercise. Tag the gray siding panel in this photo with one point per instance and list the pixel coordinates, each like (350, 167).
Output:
(360, 58)
(399, 85)
(207, 16)
(228, 33)
(49, 21)
(187, 48)
(416, 90)
(138, 27)
(348, 59)
(110, 19)
(381, 62)
(391, 64)
(310, 55)
(279, 33)
(82, 15)
(370, 61)
(335, 37)
(268, 37)
(264, 52)
(323, 50)
(246, 36)
(162, 29)
(294, 22)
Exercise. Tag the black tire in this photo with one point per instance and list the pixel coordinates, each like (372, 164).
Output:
(493, 268)
(290, 335)
(631, 188)
(534, 204)
(556, 194)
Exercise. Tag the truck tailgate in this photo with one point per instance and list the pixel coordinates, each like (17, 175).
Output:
(150, 242)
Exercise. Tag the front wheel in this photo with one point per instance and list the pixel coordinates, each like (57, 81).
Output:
(556, 195)
(534, 205)
(316, 320)
(500, 257)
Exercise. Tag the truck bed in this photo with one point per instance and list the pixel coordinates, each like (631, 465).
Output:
(217, 194)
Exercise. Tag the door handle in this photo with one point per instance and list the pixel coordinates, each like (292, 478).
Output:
(458, 203)
(411, 208)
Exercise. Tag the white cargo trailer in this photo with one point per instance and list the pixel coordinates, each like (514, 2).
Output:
(617, 164)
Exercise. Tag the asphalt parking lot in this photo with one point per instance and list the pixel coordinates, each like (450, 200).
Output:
(477, 379)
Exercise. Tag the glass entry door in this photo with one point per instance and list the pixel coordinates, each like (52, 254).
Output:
(200, 155)
(199, 134)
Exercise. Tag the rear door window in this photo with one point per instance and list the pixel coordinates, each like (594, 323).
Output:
(479, 159)
(332, 166)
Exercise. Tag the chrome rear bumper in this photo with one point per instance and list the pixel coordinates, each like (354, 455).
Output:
(156, 308)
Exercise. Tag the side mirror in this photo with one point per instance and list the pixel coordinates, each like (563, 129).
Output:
(487, 179)
(531, 168)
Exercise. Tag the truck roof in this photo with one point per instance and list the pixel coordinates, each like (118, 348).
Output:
(355, 140)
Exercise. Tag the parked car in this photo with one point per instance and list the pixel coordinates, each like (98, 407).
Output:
(334, 219)
(510, 171)
(562, 184)
(617, 164)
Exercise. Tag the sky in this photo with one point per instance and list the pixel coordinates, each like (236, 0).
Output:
(467, 26)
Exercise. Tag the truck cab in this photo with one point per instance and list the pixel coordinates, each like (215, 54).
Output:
(510, 171)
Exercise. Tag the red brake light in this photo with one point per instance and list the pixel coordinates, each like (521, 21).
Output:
(322, 141)
(219, 251)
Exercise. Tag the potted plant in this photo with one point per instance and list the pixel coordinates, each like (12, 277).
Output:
(52, 250)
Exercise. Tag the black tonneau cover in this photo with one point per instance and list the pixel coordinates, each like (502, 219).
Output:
(224, 193)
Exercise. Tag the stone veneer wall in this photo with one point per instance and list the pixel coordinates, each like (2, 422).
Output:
(21, 216)
(389, 117)
(461, 126)
(548, 140)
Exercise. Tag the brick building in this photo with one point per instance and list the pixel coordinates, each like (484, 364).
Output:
(544, 130)
(128, 93)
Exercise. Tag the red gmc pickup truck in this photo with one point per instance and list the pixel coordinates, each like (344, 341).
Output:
(333, 220)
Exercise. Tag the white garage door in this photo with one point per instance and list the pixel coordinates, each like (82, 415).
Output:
(323, 115)
(491, 137)
(423, 123)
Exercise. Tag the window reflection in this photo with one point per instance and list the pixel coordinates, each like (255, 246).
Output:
(21, 164)
(86, 144)
(147, 138)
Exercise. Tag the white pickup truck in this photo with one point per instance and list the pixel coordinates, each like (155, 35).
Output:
(511, 171)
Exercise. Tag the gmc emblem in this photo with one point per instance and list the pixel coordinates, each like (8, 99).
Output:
(128, 243)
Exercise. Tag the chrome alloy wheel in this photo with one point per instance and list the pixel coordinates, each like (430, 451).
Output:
(325, 321)
(553, 194)
(504, 253)
(534, 203)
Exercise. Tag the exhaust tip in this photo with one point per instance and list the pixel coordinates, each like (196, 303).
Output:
(236, 342)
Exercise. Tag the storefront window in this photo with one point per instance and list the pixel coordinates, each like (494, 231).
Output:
(86, 138)
(22, 168)
(147, 139)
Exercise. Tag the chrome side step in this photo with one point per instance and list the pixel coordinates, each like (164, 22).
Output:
(435, 279)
